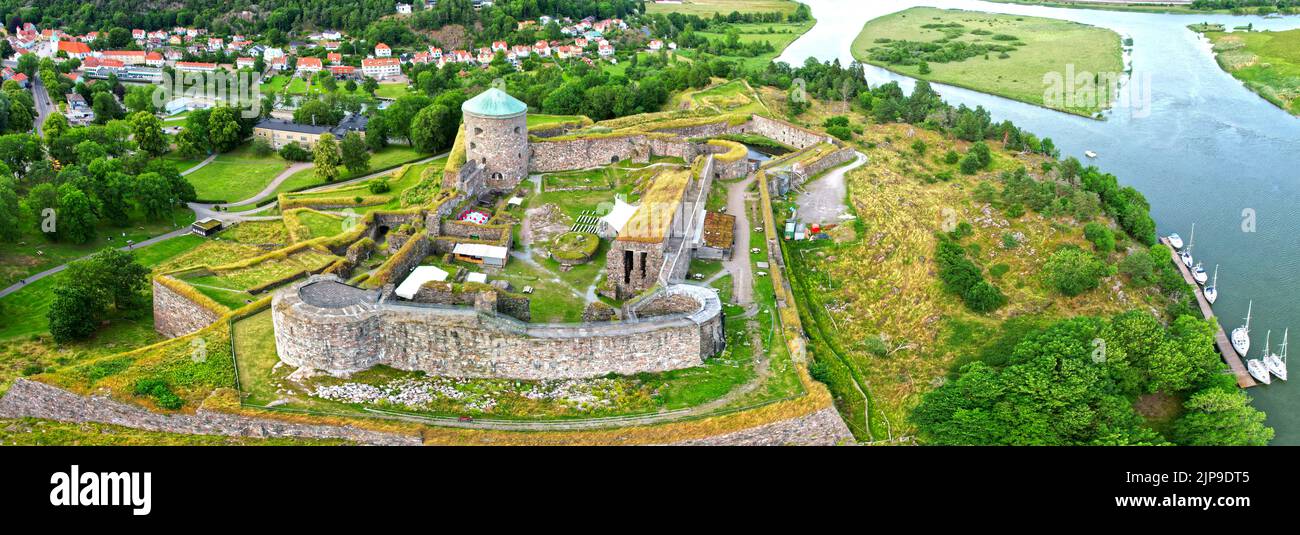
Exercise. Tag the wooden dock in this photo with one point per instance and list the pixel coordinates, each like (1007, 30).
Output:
(1238, 368)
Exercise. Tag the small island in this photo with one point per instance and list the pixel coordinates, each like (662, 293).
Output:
(1006, 55)
(1268, 63)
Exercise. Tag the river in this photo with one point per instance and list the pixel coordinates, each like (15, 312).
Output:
(1205, 150)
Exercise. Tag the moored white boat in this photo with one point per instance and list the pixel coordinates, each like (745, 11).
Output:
(1175, 241)
(1241, 335)
(1200, 275)
(1259, 371)
(1089, 154)
(1186, 254)
(1276, 362)
(1212, 290)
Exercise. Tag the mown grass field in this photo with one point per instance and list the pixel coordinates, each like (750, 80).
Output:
(1268, 63)
(706, 8)
(1050, 46)
(236, 175)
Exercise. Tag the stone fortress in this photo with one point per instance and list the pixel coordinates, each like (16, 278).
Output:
(465, 328)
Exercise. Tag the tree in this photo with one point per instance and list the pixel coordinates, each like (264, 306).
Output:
(377, 132)
(1072, 271)
(75, 221)
(327, 158)
(426, 132)
(1100, 236)
(154, 195)
(147, 129)
(355, 155)
(294, 152)
(106, 108)
(224, 130)
(110, 280)
(1221, 417)
(9, 211)
(139, 99)
(316, 112)
(55, 125)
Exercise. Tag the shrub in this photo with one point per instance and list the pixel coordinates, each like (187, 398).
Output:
(970, 164)
(380, 186)
(160, 392)
(961, 276)
(1072, 271)
(261, 147)
(295, 153)
(1100, 236)
(842, 132)
(918, 147)
(1139, 268)
(1009, 241)
(951, 157)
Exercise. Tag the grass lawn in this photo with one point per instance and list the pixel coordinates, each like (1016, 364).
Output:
(236, 175)
(1049, 45)
(20, 258)
(537, 121)
(392, 90)
(1268, 63)
(706, 8)
(24, 311)
(390, 157)
(182, 164)
(319, 224)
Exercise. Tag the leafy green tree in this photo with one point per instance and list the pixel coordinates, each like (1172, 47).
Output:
(316, 112)
(154, 195)
(1221, 417)
(327, 158)
(1139, 267)
(224, 130)
(1100, 236)
(1072, 271)
(356, 157)
(106, 108)
(426, 132)
(90, 289)
(139, 99)
(75, 220)
(10, 213)
(55, 125)
(147, 129)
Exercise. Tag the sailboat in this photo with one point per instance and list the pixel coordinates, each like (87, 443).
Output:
(1186, 254)
(1259, 371)
(1276, 362)
(1199, 274)
(1176, 241)
(1241, 335)
(1212, 291)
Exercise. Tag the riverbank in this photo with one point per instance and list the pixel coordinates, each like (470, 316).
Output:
(1267, 63)
(1121, 5)
(1004, 55)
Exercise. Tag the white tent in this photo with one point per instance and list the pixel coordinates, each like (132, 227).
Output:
(480, 278)
(481, 250)
(417, 278)
(617, 218)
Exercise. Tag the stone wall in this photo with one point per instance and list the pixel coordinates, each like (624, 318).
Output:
(821, 428)
(784, 132)
(176, 315)
(632, 267)
(467, 230)
(30, 399)
(811, 169)
(467, 342)
(551, 156)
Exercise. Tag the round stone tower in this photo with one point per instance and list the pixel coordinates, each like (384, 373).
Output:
(496, 137)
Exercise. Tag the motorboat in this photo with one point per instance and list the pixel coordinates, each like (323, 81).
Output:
(1175, 241)
(1200, 275)
(1089, 154)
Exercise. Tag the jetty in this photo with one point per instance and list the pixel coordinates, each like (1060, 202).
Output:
(1230, 356)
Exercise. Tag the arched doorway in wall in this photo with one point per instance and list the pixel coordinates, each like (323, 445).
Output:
(497, 176)
(614, 159)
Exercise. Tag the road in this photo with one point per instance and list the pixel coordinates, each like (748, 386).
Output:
(823, 199)
(741, 269)
(44, 106)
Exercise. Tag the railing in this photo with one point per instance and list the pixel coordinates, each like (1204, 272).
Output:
(702, 182)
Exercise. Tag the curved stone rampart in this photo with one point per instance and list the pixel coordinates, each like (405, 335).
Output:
(324, 324)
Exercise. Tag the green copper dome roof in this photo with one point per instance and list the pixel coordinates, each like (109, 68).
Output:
(494, 103)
